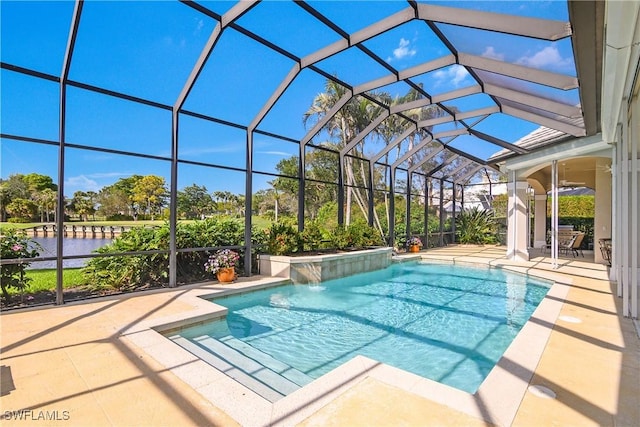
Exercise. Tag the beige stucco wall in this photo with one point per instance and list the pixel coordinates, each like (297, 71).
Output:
(540, 223)
(602, 220)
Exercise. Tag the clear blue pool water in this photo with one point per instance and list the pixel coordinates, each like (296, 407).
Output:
(449, 323)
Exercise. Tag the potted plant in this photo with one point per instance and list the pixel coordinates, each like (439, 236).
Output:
(414, 244)
(223, 265)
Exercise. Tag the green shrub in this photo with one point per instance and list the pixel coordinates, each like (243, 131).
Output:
(15, 245)
(210, 232)
(119, 217)
(358, 234)
(127, 272)
(19, 220)
(363, 235)
(340, 237)
(312, 236)
(575, 206)
(282, 239)
(476, 226)
(328, 216)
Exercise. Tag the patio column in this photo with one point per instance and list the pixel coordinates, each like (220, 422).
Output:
(540, 221)
(517, 239)
(602, 219)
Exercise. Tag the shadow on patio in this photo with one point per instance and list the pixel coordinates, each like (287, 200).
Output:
(74, 358)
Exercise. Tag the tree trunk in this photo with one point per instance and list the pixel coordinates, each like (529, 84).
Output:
(276, 209)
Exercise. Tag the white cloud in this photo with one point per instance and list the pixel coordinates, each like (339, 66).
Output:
(490, 52)
(549, 57)
(275, 153)
(454, 75)
(199, 26)
(80, 183)
(403, 50)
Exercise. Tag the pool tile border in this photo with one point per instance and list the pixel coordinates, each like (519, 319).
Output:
(496, 401)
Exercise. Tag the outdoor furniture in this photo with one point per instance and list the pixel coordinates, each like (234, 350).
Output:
(565, 245)
(577, 245)
(568, 243)
(605, 249)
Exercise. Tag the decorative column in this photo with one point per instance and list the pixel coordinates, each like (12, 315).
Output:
(517, 239)
(540, 221)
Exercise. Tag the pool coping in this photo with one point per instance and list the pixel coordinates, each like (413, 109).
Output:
(496, 401)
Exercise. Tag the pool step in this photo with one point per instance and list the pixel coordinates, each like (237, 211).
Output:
(255, 370)
(292, 374)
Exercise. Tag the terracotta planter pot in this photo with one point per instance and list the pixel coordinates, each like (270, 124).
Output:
(226, 275)
(414, 248)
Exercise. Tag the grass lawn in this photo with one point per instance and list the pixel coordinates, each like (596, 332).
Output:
(261, 222)
(45, 280)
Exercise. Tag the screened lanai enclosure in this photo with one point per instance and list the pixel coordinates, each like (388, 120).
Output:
(305, 112)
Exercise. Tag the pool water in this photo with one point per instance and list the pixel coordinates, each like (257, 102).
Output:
(445, 322)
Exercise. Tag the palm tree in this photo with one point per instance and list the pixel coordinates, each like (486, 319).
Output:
(352, 119)
(417, 115)
(49, 200)
(46, 201)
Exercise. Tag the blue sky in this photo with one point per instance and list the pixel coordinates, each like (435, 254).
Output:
(147, 49)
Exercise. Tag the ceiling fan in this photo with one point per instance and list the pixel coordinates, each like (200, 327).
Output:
(564, 183)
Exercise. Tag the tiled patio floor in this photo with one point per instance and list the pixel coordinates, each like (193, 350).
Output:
(73, 365)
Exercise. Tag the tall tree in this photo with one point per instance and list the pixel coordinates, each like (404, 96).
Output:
(417, 115)
(46, 201)
(125, 186)
(15, 187)
(37, 182)
(344, 126)
(83, 204)
(194, 201)
(150, 192)
(22, 210)
(113, 201)
(352, 119)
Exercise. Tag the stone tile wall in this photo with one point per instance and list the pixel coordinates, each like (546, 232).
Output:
(315, 269)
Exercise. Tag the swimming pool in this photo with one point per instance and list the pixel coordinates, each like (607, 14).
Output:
(445, 322)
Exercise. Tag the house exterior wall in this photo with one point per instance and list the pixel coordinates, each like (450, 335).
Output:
(602, 217)
(540, 221)
(621, 128)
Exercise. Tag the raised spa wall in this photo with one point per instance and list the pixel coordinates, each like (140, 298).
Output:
(318, 268)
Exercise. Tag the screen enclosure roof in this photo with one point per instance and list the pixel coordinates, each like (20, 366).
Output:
(443, 86)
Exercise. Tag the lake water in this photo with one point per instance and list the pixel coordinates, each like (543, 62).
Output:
(70, 247)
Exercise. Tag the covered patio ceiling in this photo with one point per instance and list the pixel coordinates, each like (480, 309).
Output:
(478, 73)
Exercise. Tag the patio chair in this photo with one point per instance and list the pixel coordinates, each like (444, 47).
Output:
(577, 243)
(571, 244)
(565, 245)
